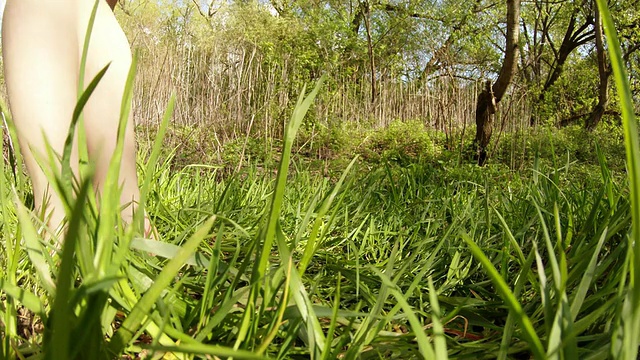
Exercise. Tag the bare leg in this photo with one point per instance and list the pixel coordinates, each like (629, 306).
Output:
(42, 46)
(108, 45)
(41, 75)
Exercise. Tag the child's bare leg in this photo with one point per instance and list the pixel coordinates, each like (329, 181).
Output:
(42, 47)
(40, 60)
(108, 45)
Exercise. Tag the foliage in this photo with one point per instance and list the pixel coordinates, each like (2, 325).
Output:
(402, 143)
(573, 94)
(555, 146)
(388, 228)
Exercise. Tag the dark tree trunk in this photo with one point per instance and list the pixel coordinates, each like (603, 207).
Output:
(573, 38)
(491, 95)
(484, 123)
(596, 115)
(367, 23)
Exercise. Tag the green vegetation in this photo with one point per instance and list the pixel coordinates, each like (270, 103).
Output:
(240, 65)
(337, 240)
(376, 240)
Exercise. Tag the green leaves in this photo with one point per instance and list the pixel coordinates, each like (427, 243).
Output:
(511, 301)
(134, 320)
(629, 319)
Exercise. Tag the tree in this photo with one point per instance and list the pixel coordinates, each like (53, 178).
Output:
(574, 37)
(492, 94)
(603, 73)
(543, 59)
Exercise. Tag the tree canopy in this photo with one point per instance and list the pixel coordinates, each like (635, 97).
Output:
(381, 54)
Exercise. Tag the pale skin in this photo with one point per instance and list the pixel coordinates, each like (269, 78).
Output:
(42, 42)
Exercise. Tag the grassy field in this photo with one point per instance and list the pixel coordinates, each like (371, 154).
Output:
(390, 256)
(372, 263)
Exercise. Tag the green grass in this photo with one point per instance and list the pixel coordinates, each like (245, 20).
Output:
(373, 242)
(417, 259)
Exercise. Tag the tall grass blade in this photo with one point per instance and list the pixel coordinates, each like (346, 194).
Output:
(267, 234)
(16, 157)
(35, 250)
(83, 151)
(440, 342)
(514, 305)
(209, 351)
(424, 343)
(134, 320)
(110, 197)
(11, 258)
(324, 208)
(510, 237)
(153, 159)
(301, 297)
(551, 253)
(326, 352)
(587, 278)
(24, 297)
(509, 325)
(65, 185)
(62, 311)
(364, 335)
(278, 195)
(630, 319)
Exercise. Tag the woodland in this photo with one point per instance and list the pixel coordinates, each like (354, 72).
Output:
(467, 70)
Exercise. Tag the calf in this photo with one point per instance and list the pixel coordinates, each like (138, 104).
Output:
(42, 46)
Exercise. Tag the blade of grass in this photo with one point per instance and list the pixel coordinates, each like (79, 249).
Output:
(62, 311)
(509, 325)
(35, 250)
(326, 352)
(168, 251)
(15, 150)
(514, 306)
(65, 181)
(630, 319)
(424, 344)
(153, 159)
(585, 282)
(26, 298)
(10, 315)
(512, 239)
(439, 341)
(324, 208)
(83, 152)
(282, 308)
(210, 350)
(110, 197)
(267, 234)
(278, 195)
(132, 323)
(301, 297)
(364, 335)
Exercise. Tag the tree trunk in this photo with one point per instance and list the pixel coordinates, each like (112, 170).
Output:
(367, 23)
(491, 95)
(597, 113)
(573, 38)
(484, 123)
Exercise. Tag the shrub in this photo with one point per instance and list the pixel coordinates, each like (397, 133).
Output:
(401, 143)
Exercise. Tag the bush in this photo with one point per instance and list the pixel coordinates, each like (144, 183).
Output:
(328, 142)
(402, 143)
